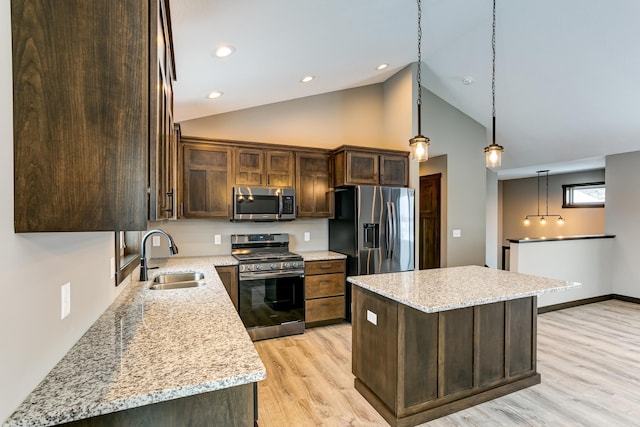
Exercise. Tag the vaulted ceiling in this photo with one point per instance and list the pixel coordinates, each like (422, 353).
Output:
(566, 88)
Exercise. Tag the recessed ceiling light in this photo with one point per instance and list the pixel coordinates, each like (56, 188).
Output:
(215, 94)
(307, 79)
(382, 67)
(468, 80)
(223, 51)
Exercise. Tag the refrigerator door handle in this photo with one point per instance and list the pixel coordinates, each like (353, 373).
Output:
(391, 229)
(394, 227)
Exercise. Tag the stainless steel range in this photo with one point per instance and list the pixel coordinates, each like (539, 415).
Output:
(271, 285)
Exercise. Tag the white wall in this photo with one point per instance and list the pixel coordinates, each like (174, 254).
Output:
(195, 237)
(34, 266)
(589, 262)
(462, 139)
(494, 220)
(622, 218)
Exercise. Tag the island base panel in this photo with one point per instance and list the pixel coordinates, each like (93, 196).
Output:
(446, 408)
(233, 406)
(414, 366)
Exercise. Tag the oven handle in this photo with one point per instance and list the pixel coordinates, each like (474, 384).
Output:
(270, 274)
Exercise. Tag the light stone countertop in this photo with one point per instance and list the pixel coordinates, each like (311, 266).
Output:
(321, 255)
(444, 289)
(148, 347)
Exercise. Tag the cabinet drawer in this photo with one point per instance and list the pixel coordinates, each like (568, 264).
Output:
(324, 267)
(324, 285)
(324, 309)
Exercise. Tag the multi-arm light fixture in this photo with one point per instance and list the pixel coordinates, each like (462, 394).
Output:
(419, 144)
(544, 216)
(493, 153)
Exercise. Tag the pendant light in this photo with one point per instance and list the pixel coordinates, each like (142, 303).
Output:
(544, 216)
(419, 144)
(493, 153)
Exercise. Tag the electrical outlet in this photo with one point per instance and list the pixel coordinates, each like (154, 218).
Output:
(307, 236)
(65, 300)
(217, 239)
(156, 240)
(457, 233)
(113, 267)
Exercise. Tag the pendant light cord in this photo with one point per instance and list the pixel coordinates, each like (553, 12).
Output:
(493, 75)
(419, 73)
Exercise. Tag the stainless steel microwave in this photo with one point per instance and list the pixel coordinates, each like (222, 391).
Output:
(264, 204)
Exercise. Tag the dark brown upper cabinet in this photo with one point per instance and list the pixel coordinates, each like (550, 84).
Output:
(85, 112)
(163, 145)
(363, 166)
(263, 167)
(206, 180)
(314, 188)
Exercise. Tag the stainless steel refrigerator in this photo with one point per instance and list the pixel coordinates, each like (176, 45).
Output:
(374, 226)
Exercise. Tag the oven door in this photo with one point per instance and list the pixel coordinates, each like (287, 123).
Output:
(271, 298)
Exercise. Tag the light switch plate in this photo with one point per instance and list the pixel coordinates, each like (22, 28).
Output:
(217, 239)
(156, 240)
(307, 236)
(457, 233)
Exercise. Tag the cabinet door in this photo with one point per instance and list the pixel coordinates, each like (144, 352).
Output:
(362, 168)
(229, 276)
(280, 171)
(206, 181)
(162, 166)
(80, 114)
(313, 186)
(394, 170)
(249, 167)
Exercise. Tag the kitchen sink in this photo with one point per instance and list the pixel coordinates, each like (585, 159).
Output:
(177, 281)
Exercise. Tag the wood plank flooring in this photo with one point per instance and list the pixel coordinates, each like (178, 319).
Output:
(589, 358)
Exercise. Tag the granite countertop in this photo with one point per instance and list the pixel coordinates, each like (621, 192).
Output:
(444, 289)
(149, 346)
(321, 255)
(558, 238)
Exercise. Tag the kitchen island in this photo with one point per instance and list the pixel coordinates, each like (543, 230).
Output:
(432, 342)
(155, 357)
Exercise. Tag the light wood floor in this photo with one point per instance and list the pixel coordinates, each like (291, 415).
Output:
(589, 358)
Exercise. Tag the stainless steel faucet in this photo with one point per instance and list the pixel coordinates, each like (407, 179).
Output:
(173, 249)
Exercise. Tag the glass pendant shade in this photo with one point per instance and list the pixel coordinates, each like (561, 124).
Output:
(493, 155)
(526, 221)
(419, 146)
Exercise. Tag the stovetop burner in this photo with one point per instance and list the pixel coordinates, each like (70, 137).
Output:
(260, 252)
(266, 256)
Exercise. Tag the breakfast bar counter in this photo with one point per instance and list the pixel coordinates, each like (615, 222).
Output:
(431, 342)
(156, 357)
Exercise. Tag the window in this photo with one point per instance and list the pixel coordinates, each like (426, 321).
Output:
(590, 195)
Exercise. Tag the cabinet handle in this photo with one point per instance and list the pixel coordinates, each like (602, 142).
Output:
(268, 179)
(171, 195)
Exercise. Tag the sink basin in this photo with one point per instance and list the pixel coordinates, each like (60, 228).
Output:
(178, 277)
(177, 281)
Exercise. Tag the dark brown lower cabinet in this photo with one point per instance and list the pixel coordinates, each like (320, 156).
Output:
(324, 286)
(414, 366)
(234, 406)
(229, 276)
